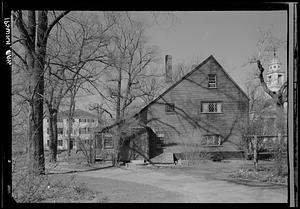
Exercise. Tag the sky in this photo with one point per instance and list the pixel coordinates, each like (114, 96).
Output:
(230, 36)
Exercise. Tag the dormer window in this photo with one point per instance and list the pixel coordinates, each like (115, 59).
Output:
(212, 81)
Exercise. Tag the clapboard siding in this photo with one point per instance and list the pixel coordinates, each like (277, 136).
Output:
(188, 124)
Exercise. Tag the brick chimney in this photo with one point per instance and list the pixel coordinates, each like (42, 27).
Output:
(168, 68)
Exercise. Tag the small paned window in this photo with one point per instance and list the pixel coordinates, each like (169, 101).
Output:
(60, 131)
(108, 142)
(82, 131)
(60, 142)
(160, 140)
(169, 108)
(211, 107)
(212, 139)
(212, 81)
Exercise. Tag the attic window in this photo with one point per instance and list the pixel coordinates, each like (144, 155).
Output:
(169, 108)
(212, 81)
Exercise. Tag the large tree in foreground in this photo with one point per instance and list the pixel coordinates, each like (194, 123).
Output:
(33, 31)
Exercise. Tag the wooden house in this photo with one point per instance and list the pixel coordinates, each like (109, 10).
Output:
(205, 111)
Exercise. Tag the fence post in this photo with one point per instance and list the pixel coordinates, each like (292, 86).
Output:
(255, 160)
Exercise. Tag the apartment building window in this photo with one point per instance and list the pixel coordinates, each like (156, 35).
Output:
(211, 139)
(169, 108)
(108, 142)
(90, 120)
(211, 107)
(60, 142)
(85, 130)
(81, 131)
(73, 120)
(83, 120)
(212, 81)
(60, 130)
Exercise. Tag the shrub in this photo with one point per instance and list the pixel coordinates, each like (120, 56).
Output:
(28, 188)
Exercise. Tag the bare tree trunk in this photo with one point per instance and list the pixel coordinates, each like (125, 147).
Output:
(34, 36)
(70, 124)
(36, 145)
(53, 134)
(36, 160)
(279, 124)
(255, 159)
(117, 138)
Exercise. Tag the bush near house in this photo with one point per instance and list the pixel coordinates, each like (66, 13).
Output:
(264, 174)
(198, 157)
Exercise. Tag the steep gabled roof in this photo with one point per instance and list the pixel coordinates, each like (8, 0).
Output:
(211, 57)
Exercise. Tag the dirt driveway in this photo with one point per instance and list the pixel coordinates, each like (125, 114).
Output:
(138, 184)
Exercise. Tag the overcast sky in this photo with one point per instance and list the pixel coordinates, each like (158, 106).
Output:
(230, 36)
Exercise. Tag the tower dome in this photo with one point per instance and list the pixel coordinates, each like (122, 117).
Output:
(274, 75)
(274, 65)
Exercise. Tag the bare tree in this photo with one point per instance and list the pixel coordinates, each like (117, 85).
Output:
(75, 53)
(33, 32)
(266, 45)
(129, 69)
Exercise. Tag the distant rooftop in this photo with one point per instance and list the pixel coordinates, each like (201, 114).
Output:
(78, 113)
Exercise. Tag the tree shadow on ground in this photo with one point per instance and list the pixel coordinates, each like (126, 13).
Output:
(79, 171)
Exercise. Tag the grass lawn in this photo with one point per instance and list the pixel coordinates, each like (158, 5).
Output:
(231, 170)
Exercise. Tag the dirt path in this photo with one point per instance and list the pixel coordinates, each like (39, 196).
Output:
(159, 186)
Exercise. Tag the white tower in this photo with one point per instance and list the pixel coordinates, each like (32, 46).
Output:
(275, 76)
